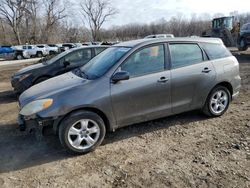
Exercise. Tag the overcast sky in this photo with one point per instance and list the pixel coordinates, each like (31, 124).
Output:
(146, 11)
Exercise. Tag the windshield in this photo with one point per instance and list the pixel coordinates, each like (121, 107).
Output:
(99, 65)
(54, 59)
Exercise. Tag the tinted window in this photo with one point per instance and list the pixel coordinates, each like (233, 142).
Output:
(40, 46)
(99, 50)
(100, 64)
(29, 47)
(216, 51)
(145, 61)
(79, 56)
(185, 54)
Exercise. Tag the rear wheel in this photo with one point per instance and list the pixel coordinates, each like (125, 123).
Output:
(19, 57)
(242, 45)
(82, 132)
(39, 54)
(217, 102)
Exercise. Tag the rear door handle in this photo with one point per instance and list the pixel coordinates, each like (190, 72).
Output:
(206, 70)
(163, 80)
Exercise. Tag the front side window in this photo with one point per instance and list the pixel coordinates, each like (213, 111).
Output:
(79, 56)
(185, 54)
(145, 61)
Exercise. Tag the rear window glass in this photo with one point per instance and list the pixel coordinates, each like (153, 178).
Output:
(216, 51)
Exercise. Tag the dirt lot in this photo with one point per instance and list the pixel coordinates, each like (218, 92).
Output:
(188, 150)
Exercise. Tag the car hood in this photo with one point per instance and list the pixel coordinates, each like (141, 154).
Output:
(50, 87)
(29, 69)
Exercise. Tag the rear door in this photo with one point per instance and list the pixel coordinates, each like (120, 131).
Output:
(146, 95)
(191, 74)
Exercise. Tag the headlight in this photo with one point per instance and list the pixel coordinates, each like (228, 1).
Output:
(22, 77)
(36, 106)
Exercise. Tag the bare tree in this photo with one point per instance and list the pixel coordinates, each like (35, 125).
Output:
(31, 21)
(54, 13)
(96, 12)
(13, 12)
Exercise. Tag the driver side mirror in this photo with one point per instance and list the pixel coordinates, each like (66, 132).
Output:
(66, 63)
(119, 76)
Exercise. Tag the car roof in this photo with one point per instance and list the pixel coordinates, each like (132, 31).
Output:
(92, 46)
(138, 42)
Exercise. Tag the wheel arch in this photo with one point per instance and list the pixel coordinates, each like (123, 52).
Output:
(43, 76)
(225, 84)
(104, 117)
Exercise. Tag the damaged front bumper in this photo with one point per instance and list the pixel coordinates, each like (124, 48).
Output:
(35, 124)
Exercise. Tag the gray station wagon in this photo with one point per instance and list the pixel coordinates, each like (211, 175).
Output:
(132, 82)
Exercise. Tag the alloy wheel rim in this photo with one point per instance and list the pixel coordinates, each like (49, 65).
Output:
(219, 102)
(83, 134)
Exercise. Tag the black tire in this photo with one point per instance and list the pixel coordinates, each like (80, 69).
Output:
(39, 54)
(52, 52)
(242, 45)
(39, 80)
(19, 57)
(207, 109)
(69, 123)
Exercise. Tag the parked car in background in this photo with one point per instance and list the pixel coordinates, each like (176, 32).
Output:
(7, 52)
(6, 49)
(244, 37)
(29, 51)
(50, 49)
(64, 62)
(53, 49)
(133, 82)
(160, 36)
(67, 46)
(43, 48)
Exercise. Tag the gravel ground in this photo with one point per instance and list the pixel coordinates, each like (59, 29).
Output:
(187, 150)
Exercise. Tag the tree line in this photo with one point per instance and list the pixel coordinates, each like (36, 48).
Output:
(47, 21)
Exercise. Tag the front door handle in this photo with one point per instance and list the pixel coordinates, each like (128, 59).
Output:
(206, 70)
(163, 80)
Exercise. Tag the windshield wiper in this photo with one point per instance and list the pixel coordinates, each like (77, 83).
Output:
(84, 75)
(80, 73)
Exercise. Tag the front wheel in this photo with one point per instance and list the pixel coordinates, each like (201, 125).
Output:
(217, 102)
(82, 132)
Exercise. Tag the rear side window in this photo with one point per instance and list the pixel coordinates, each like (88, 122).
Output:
(216, 51)
(185, 54)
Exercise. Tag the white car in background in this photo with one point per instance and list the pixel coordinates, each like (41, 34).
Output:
(30, 51)
(49, 48)
(160, 36)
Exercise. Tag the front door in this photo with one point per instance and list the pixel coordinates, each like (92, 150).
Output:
(146, 95)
